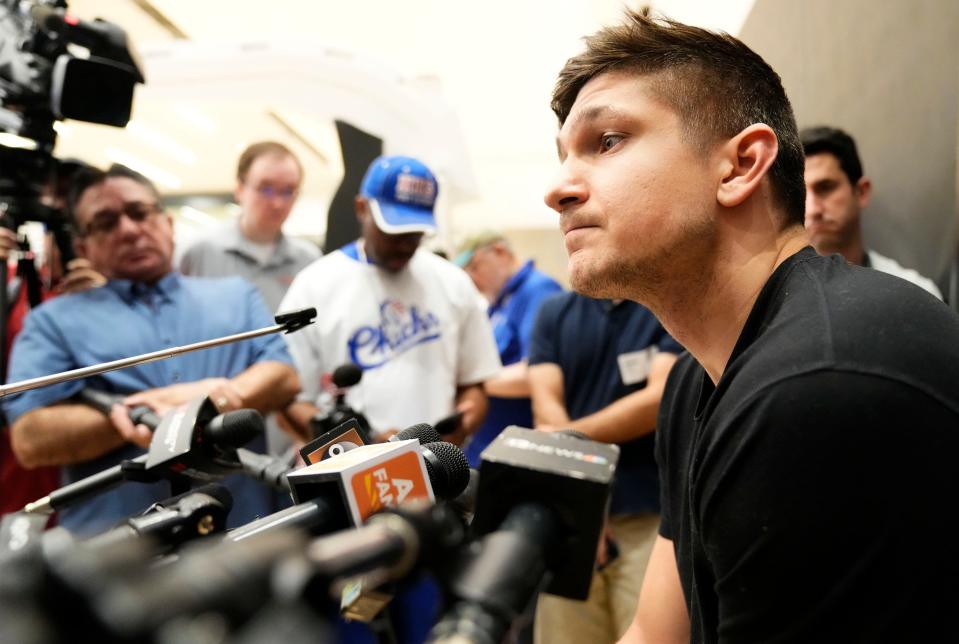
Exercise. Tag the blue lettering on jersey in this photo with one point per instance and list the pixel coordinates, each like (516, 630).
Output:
(400, 329)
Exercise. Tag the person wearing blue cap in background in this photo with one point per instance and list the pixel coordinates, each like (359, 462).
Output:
(409, 319)
(514, 289)
(412, 321)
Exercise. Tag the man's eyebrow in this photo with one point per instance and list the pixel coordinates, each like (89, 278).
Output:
(587, 116)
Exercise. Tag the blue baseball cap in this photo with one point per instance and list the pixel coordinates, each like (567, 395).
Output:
(401, 192)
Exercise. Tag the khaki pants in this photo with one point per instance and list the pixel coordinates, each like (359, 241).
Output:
(613, 593)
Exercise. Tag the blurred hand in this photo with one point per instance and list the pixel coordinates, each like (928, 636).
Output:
(162, 399)
(80, 277)
(137, 434)
(8, 243)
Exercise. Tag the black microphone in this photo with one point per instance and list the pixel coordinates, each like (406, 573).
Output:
(170, 523)
(331, 498)
(541, 505)
(103, 401)
(191, 441)
(346, 375)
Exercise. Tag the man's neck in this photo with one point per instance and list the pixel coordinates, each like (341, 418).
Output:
(855, 253)
(256, 234)
(707, 315)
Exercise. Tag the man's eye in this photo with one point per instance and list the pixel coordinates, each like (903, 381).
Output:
(609, 141)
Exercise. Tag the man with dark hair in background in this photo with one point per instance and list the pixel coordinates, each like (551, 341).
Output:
(836, 193)
(806, 442)
(145, 306)
(515, 289)
(599, 367)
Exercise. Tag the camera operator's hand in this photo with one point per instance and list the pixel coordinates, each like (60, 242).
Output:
(8, 243)
(80, 277)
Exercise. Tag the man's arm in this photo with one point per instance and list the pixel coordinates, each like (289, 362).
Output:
(631, 416)
(511, 382)
(547, 391)
(62, 434)
(661, 615)
(67, 433)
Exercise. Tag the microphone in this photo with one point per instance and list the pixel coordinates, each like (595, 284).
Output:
(103, 401)
(349, 436)
(540, 508)
(347, 375)
(343, 377)
(197, 513)
(191, 441)
(342, 492)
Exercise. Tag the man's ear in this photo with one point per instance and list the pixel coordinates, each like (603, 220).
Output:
(237, 190)
(361, 208)
(80, 247)
(863, 191)
(746, 159)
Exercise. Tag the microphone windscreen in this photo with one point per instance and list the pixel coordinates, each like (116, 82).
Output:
(452, 469)
(347, 375)
(423, 432)
(234, 428)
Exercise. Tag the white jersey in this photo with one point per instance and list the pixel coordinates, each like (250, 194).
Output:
(891, 266)
(417, 334)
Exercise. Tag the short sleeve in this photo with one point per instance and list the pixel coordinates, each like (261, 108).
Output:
(544, 336)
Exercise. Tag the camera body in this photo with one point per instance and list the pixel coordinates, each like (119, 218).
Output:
(53, 67)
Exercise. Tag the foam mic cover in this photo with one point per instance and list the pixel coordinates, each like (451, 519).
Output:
(423, 432)
(448, 469)
(347, 375)
(234, 428)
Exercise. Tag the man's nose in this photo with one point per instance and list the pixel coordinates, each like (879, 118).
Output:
(813, 207)
(566, 189)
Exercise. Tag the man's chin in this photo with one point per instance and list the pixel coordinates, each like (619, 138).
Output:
(593, 280)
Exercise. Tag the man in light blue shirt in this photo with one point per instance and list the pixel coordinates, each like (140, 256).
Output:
(145, 306)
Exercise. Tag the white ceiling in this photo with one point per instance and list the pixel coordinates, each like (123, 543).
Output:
(251, 70)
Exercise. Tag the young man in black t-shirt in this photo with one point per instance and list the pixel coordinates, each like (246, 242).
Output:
(805, 444)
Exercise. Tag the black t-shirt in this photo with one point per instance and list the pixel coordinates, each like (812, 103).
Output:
(812, 495)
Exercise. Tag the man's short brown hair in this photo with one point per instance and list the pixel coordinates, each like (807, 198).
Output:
(717, 85)
(262, 148)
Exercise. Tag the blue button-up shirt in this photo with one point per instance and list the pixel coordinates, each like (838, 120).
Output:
(124, 319)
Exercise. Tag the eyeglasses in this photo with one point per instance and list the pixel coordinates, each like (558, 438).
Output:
(106, 221)
(269, 192)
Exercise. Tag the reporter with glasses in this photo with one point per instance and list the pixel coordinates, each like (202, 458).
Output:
(126, 235)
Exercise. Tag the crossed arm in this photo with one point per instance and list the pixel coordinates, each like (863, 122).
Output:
(623, 420)
(66, 433)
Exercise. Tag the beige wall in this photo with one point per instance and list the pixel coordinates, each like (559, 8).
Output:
(888, 73)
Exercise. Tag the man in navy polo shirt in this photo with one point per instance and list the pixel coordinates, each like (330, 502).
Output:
(599, 367)
(515, 290)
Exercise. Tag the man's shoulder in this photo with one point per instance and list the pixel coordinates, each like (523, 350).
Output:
(302, 250)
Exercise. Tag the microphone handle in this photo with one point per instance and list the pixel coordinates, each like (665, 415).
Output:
(266, 469)
(104, 401)
(88, 487)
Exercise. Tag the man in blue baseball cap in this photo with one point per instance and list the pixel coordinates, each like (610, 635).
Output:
(412, 321)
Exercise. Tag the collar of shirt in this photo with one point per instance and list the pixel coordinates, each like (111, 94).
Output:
(130, 291)
(511, 285)
(235, 242)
